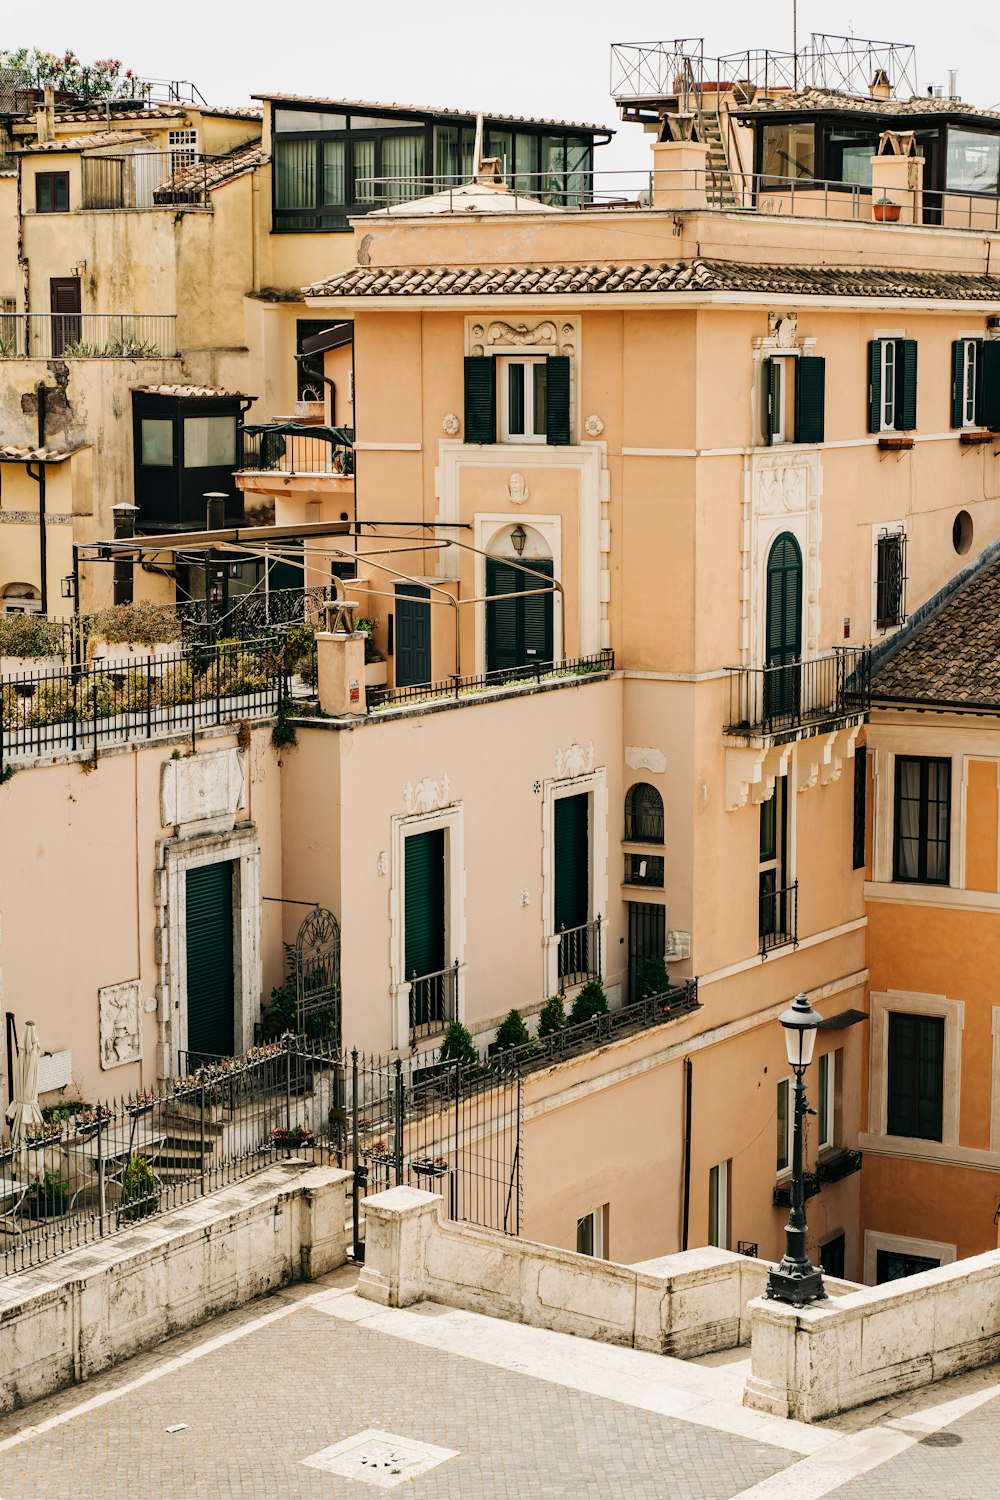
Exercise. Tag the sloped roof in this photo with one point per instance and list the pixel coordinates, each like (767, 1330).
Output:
(665, 276)
(96, 141)
(833, 101)
(470, 197)
(374, 107)
(100, 112)
(209, 171)
(189, 390)
(948, 655)
(13, 453)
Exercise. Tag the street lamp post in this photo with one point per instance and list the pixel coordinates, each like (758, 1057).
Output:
(796, 1279)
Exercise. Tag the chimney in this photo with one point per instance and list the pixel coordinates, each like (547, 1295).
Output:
(952, 83)
(880, 87)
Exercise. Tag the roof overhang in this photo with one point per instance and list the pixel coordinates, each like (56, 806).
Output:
(660, 301)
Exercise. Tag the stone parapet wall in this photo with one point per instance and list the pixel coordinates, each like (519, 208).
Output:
(70, 1318)
(682, 1305)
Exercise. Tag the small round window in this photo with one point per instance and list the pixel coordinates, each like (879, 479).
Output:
(961, 532)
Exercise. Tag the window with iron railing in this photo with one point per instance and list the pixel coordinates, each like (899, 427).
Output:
(890, 580)
(644, 869)
(643, 814)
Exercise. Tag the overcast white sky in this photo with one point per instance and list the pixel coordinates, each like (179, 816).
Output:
(540, 57)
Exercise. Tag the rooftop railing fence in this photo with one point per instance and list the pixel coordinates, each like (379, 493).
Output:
(80, 335)
(455, 687)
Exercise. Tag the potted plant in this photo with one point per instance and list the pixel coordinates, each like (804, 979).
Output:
(140, 1191)
(298, 1136)
(511, 1032)
(886, 211)
(376, 669)
(48, 1197)
(552, 1017)
(590, 1001)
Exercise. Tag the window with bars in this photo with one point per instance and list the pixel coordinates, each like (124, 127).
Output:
(183, 148)
(915, 1089)
(922, 819)
(643, 814)
(860, 799)
(890, 580)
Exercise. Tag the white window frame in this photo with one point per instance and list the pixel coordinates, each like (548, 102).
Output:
(785, 1084)
(888, 384)
(970, 390)
(530, 435)
(451, 818)
(907, 1003)
(596, 1217)
(183, 146)
(826, 1121)
(718, 1182)
(784, 360)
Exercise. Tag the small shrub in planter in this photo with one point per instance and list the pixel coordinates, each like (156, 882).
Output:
(30, 636)
(140, 1191)
(591, 1001)
(48, 1197)
(653, 978)
(141, 624)
(552, 1017)
(458, 1045)
(298, 1135)
(511, 1032)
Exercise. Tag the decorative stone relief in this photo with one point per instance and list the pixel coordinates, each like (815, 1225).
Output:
(577, 760)
(121, 1024)
(451, 424)
(522, 335)
(517, 489)
(593, 426)
(499, 336)
(784, 330)
(645, 758)
(382, 863)
(427, 795)
(678, 947)
(202, 793)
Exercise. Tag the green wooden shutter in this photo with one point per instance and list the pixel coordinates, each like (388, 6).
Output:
(536, 613)
(208, 912)
(501, 616)
(784, 601)
(906, 384)
(958, 383)
(989, 385)
(810, 399)
(557, 399)
(860, 796)
(773, 415)
(875, 385)
(480, 399)
(423, 921)
(571, 906)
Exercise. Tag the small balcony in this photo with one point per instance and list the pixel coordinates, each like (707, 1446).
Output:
(148, 179)
(777, 915)
(274, 455)
(800, 699)
(433, 1002)
(79, 335)
(579, 954)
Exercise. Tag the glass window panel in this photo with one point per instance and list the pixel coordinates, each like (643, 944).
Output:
(515, 398)
(365, 189)
(849, 155)
(286, 120)
(973, 161)
(540, 382)
(783, 1093)
(209, 442)
(333, 171)
(447, 161)
(295, 174)
(403, 159)
(526, 164)
(469, 164)
(970, 354)
(585, 1235)
(768, 830)
(500, 143)
(378, 122)
(789, 151)
(158, 442)
(908, 832)
(823, 1122)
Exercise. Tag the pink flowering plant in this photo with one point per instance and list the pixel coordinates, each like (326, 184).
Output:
(105, 79)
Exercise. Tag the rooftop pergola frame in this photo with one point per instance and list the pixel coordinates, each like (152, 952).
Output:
(247, 542)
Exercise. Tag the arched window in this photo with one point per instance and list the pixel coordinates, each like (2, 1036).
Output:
(644, 814)
(782, 688)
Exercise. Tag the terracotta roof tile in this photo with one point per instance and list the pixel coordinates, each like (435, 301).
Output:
(949, 652)
(13, 453)
(97, 141)
(209, 172)
(669, 276)
(832, 101)
(188, 390)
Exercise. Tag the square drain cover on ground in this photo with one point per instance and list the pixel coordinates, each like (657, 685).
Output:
(379, 1458)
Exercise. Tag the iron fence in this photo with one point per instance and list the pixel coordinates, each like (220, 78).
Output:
(433, 1002)
(279, 450)
(579, 954)
(778, 916)
(781, 699)
(80, 335)
(576, 1040)
(147, 179)
(462, 687)
(119, 700)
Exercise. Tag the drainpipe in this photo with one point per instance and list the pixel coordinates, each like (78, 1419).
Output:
(39, 479)
(687, 1153)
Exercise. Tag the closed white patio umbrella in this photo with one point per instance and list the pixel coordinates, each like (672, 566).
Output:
(24, 1111)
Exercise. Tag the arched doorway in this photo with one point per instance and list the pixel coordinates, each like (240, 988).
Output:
(783, 627)
(519, 610)
(21, 599)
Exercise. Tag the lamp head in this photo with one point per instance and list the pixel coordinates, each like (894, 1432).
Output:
(799, 1023)
(518, 537)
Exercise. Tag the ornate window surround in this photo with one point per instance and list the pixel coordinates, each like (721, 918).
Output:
(906, 1002)
(595, 783)
(452, 819)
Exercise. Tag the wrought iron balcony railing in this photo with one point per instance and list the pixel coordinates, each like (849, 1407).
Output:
(80, 335)
(285, 448)
(778, 915)
(802, 696)
(433, 1002)
(579, 954)
(147, 179)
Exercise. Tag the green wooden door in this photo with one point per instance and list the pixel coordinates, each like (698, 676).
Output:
(210, 969)
(572, 857)
(518, 630)
(423, 924)
(784, 627)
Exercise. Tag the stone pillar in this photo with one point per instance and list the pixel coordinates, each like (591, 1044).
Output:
(680, 174)
(901, 180)
(398, 1224)
(340, 668)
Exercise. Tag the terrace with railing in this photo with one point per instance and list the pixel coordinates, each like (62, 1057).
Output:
(458, 689)
(81, 335)
(291, 448)
(148, 179)
(786, 702)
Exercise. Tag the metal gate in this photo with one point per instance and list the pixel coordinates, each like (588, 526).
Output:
(452, 1128)
(317, 975)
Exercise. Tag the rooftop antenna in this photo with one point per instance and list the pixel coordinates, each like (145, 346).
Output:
(795, 44)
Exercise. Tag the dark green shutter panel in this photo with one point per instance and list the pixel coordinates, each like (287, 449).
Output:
(784, 602)
(915, 1076)
(557, 399)
(906, 384)
(810, 399)
(423, 922)
(518, 630)
(572, 872)
(875, 385)
(501, 616)
(480, 399)
(860, 794)
(536, 612)
(773, 397)
(958, 383)
(989, 385)
(208, 913)
(977, 415)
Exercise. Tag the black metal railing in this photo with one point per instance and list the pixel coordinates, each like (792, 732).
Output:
(644, 869)
(147, 179)
(281, 449)
(778, 916)
(120, 702)
(643, 824)
(579, 954)
(433, 1002)
(80, 335)
(802, 694)
(462, 687)
(576, 1040)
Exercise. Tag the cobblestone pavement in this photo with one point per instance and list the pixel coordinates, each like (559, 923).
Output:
(961, 1462)
(256, 1407)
